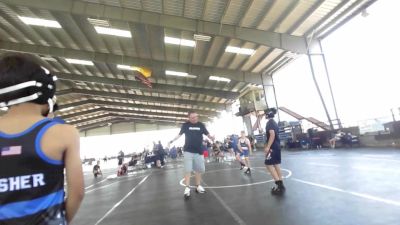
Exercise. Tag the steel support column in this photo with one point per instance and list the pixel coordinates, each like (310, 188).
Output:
(309, 55)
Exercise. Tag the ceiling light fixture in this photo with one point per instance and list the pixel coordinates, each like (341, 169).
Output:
(97, 22)
(113, 31)
(39, 22)
(177, 41)
(199, 37)
(80, 62)
(216, 78)
(244, 51)
(179, 74)
(126, 67)
(171, 40)
(188, 43)
(292, 55)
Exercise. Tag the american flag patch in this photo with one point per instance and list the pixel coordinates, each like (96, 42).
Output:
(11, 150)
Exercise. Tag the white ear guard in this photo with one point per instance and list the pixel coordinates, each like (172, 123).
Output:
(38, 88)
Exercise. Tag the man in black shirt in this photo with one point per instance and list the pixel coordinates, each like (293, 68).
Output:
(193, 156)
(273, 152)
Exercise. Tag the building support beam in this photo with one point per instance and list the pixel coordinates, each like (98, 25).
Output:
(136, 106)
(112, 110)
(157, 66)
(211, 105)
(113, 115)
(121, 120)
(132, 84)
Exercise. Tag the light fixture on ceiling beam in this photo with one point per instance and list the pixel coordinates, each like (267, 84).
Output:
(178, 74)
(98, 22)
(237, 50)
(178, 41)
(39, 22)
(79, 62)
(125, 67)
(216, 78)
(113, 31)
(292, 55)
(200, 37)
(171, 40)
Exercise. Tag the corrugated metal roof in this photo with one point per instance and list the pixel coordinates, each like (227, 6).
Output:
(263, 25)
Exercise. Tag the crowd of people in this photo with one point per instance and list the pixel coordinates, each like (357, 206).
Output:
(154, 158)
(233, 147)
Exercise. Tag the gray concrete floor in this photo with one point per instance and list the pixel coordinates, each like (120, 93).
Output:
(343, 186)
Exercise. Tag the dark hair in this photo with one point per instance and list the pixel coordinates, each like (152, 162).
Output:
(270, 113)
(16, 68)
(191, 112)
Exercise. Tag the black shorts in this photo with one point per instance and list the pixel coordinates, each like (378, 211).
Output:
(274, 159)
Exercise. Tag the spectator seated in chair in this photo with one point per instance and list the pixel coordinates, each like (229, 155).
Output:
(134, 160)
(173, 153)
(97, 170)
(349, 140)
(218, 154)
(123, 170)
(336, 137)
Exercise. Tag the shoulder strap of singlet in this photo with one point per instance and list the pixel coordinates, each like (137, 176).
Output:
(38, 147)
(30, 129)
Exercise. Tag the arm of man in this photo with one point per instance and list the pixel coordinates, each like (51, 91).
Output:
(175, 138)
(182, 131)
(205, 132)
(271, 139)
(73, 167)
(212, 138)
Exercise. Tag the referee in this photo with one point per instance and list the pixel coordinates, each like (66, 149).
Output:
(193, 152)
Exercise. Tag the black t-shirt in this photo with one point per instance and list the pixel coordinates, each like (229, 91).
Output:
(193, 136)
(272, 125)
(96, 167)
